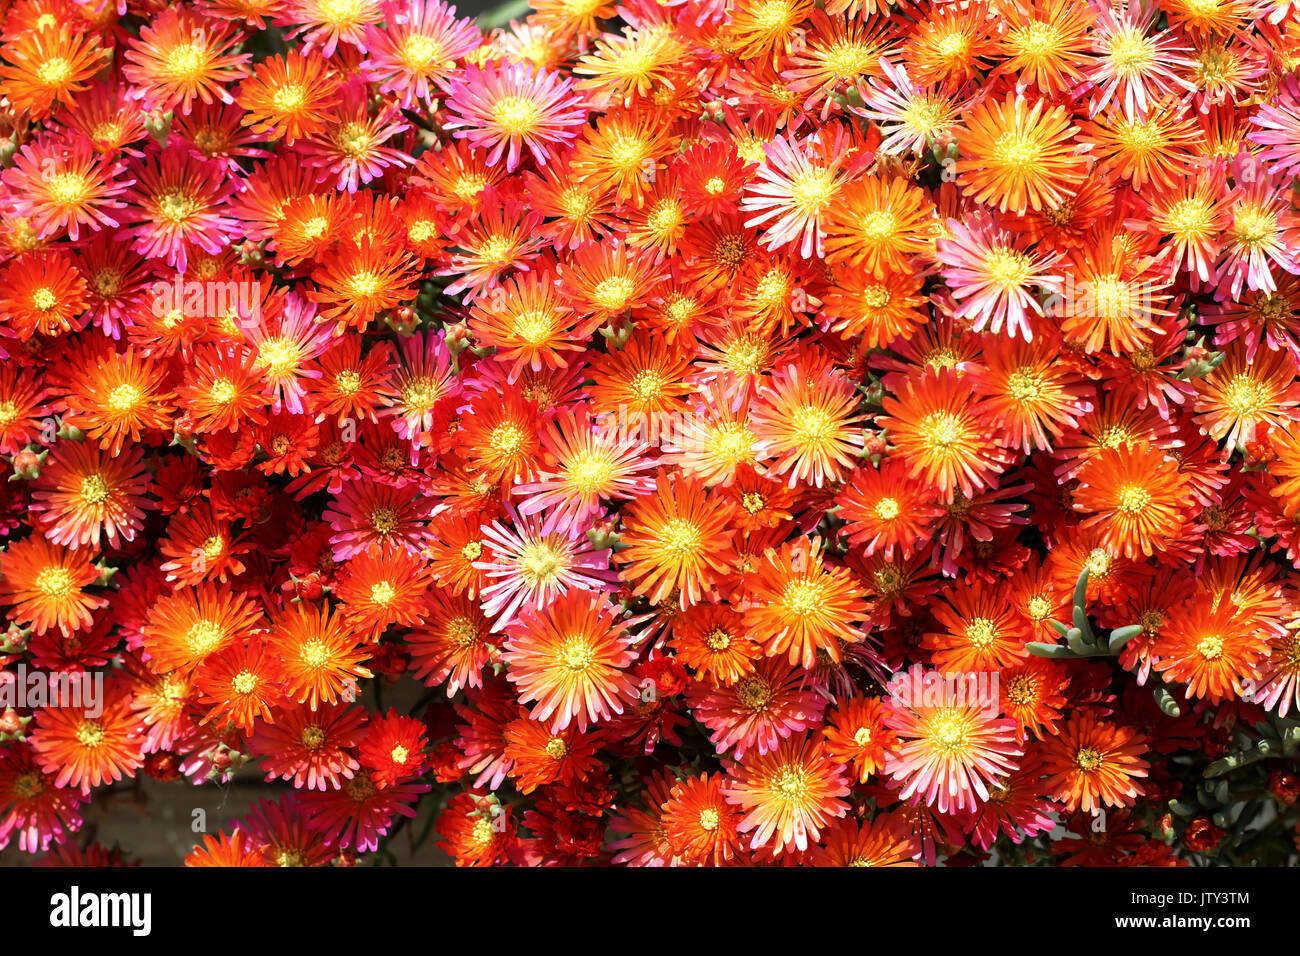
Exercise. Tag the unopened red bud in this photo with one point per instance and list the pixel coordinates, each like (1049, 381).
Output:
(1284, 786)
(10, 722)
(309, 588)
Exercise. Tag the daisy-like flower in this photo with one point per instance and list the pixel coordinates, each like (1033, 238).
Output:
(795, 186)
(994, 280)
(414, 53)
(290, 97)
(856, 735)
(806, 418)
(1136, 496)
(887, 840)
(504, 109)
(312, 747)
(570, 658)
(878, 224)
(393, 749)
(759, 710)
(712, 639)
(885, 511)
(950, 754)
(352, 148)
(622, 154)
(586, 460)
(1261, 235)
(42, 293)
(1243, 396)
(876, 311)
(1212, 646)
(202, 547)
(529, 324)
(44, 585)
(320, 655)
(354, 281)
(619, 68)
(540, 755)
(980, 632)
(789, 795)
(942, 432)
(286, 339)
(1154, 149)
(285, 841)
(1018, 157)
(82, 751)
(39, 812)
(180, 57)
(82, 495)
(535, 561)
(1033, 397)
(368, 514)
(1046, 44)
(223, 390)
(677, 539)
(378, 589)
(1093, 763)
(759, 28)
(232, 849)
(702, 827)
(1193, 216)
(1134, 65)
(453, 644)
(1032, 694)
(500, 439)
(45, 68)
(241, 684)
(65, 188)
(470, 836)
(327, 23)
(22, 408)
(1279, 681)
(174, 210)
(423, 379)
(802, 608)
(950, 44)
(1115, 296)
(910, 114)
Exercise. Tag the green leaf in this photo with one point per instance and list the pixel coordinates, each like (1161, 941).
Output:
(1054, 651)
(1165, 701)
(1121, 636)
(1081, 590)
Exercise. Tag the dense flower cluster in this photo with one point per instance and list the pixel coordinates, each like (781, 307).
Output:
(772, 432)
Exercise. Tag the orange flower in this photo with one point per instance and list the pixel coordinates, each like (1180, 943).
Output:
(1093, 763)
(1137, 498)
(47, 67)
(802, 608)
(320, 655)
(856, 735)
(677, 539)
(45, 584)
(806, 418)
(887, 840)
(942, 432)
(84, 751)
(191, 624)
(1213, 646)
(789, 795)
(1020, 157)
(570, 658)
(703, 828)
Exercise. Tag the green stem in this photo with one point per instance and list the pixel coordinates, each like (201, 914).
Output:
(502, 15)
